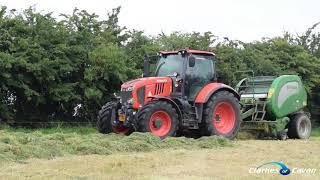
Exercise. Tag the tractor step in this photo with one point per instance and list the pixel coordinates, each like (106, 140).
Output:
(190, 119)
(190, 123)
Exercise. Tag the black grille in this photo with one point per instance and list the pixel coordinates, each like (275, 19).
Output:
(159, 88)
(125, 96)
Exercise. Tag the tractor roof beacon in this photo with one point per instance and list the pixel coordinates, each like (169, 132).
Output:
(180, 96)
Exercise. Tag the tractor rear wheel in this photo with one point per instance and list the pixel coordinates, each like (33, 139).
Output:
(159, 118)
(222, 115)
(299, 127)
(105, 117)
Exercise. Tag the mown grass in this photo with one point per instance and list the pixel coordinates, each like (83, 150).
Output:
(46, 143)
(20, 144)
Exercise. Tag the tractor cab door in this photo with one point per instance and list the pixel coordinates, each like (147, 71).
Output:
(198, 73)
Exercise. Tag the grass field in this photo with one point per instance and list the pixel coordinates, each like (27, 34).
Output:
(81, 153)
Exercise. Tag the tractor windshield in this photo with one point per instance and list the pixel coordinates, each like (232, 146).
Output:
(169, 64)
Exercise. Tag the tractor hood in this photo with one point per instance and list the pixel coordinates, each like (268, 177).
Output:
(136, 83)
(139, 91)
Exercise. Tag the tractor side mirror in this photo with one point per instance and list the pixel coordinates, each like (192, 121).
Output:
(192, 61)
(146, 67)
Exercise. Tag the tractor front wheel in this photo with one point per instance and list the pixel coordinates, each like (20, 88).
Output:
(222, 115)
(159, 118)
(105, 117)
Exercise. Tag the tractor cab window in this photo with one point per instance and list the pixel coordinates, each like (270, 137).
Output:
(199, 75)
(169, 64)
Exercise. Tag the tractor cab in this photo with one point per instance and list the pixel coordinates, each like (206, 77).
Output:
(191, 69)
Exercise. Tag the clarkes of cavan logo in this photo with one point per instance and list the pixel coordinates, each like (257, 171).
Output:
(284, 170)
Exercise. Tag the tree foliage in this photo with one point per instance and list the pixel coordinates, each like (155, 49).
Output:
(48, 66)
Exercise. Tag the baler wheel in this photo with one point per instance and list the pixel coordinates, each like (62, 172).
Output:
(299, 127)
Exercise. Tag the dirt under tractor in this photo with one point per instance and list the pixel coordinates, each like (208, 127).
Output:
(179, 95)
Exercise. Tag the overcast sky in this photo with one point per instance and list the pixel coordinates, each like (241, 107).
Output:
(245, 20)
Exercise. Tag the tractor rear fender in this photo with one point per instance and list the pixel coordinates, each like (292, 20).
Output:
(169, 100)
(208, 90)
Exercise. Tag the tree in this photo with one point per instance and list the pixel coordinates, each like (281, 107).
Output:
(48, 66)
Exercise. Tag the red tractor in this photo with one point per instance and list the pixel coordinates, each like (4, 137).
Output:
(180, 95)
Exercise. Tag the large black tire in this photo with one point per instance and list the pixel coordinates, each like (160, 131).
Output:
(104, 122)
(299, 127)
(227, 118)
(159, 118)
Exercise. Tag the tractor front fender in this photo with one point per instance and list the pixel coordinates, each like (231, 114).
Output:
(169, 100)
(208, 90)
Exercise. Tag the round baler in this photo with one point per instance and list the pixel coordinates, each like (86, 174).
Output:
(275, 105)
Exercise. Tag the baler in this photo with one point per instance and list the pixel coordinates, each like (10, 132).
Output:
(275, 105)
